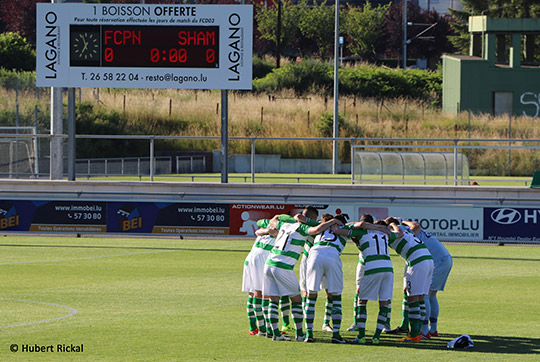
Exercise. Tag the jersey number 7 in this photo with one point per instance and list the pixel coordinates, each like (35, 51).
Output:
(282, 238)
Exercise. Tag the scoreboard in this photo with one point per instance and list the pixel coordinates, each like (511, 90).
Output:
(144, 46)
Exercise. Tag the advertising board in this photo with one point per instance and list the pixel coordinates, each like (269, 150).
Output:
(463, 223)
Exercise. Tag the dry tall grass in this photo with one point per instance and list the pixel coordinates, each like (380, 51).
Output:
(197, 113)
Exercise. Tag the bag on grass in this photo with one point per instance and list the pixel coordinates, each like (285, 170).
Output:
(462, 342)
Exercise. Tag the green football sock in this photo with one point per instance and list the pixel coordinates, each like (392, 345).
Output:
(251, 314)
(405, 312)
(381, 321)
(285, 308)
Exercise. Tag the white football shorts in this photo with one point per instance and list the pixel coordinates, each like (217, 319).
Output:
(254, 270)
(378, 286)
(324, 269)
(280, 282)
(417, 278)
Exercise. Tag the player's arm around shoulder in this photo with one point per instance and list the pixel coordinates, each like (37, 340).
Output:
(369, 226)
(314, 230)
(396, 230)
(413, 226)
(266, 231)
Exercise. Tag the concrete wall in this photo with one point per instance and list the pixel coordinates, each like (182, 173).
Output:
(276, 164)
(260, 192)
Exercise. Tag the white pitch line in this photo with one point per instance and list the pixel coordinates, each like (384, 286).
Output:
(72, 312)
(86, 258)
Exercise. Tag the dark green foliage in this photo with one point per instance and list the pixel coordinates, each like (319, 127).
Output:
(261, 67)
(102, 122)
(12, 79)
(304, 77)
(325, 124)
(363, 81)
(16, 53)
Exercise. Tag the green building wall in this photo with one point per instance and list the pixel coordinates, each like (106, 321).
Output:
(471, 82)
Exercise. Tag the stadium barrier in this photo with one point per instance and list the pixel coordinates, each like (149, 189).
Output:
(452, 213)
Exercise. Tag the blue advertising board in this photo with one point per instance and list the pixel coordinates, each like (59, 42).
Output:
(512, 224)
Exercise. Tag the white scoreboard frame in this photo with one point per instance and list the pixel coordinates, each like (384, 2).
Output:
(235, 46)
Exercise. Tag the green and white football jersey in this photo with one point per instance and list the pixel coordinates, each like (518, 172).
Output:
(265, 242)
(374, 252)
(289, 245)
(412, 249)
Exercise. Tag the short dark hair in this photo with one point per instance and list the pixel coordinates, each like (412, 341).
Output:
(311, 212)
(380, 222)
(342, 218)
(326, 217)
(392, 220)
(367, 218)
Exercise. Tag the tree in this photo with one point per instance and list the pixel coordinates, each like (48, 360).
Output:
(266, 18)
(363, 28)
(392, 44)
(19, 16)
(317, 23)
(16, 53)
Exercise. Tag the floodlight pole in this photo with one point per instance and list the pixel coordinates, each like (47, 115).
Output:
(336, 93)
(404, 17)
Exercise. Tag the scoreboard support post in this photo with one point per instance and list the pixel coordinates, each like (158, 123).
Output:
(56, 168)
(224, 136)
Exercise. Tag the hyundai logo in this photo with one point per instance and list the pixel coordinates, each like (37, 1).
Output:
(505, 216)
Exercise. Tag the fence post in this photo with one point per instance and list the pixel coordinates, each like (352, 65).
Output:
(455, 161)
(11, 159)
(352, 161)
(17, 103)
(36, 153)
(152, 158)
(509, 144)
(253, 160)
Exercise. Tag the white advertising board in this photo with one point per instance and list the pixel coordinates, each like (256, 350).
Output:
(446, 223)
(144, 46)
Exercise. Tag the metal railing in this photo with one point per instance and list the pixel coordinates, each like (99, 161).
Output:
(454, 145)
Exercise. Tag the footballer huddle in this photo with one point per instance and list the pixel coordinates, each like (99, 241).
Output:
(273, 286)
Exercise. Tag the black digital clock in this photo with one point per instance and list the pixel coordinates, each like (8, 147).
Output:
(182, 46)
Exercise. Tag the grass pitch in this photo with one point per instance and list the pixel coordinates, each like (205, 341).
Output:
(162, 299)
(339, 179)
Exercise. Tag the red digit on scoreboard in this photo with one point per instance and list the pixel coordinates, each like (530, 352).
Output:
(182, 55)
(154, 55)
(109, 55)
(210, 56)
(173, 56)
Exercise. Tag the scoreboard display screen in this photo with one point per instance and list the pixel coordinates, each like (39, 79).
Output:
(144, 46)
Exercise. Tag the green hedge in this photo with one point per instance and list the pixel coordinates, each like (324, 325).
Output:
(11, 79)
(16, 53)
(363, 81)
(261, 67)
